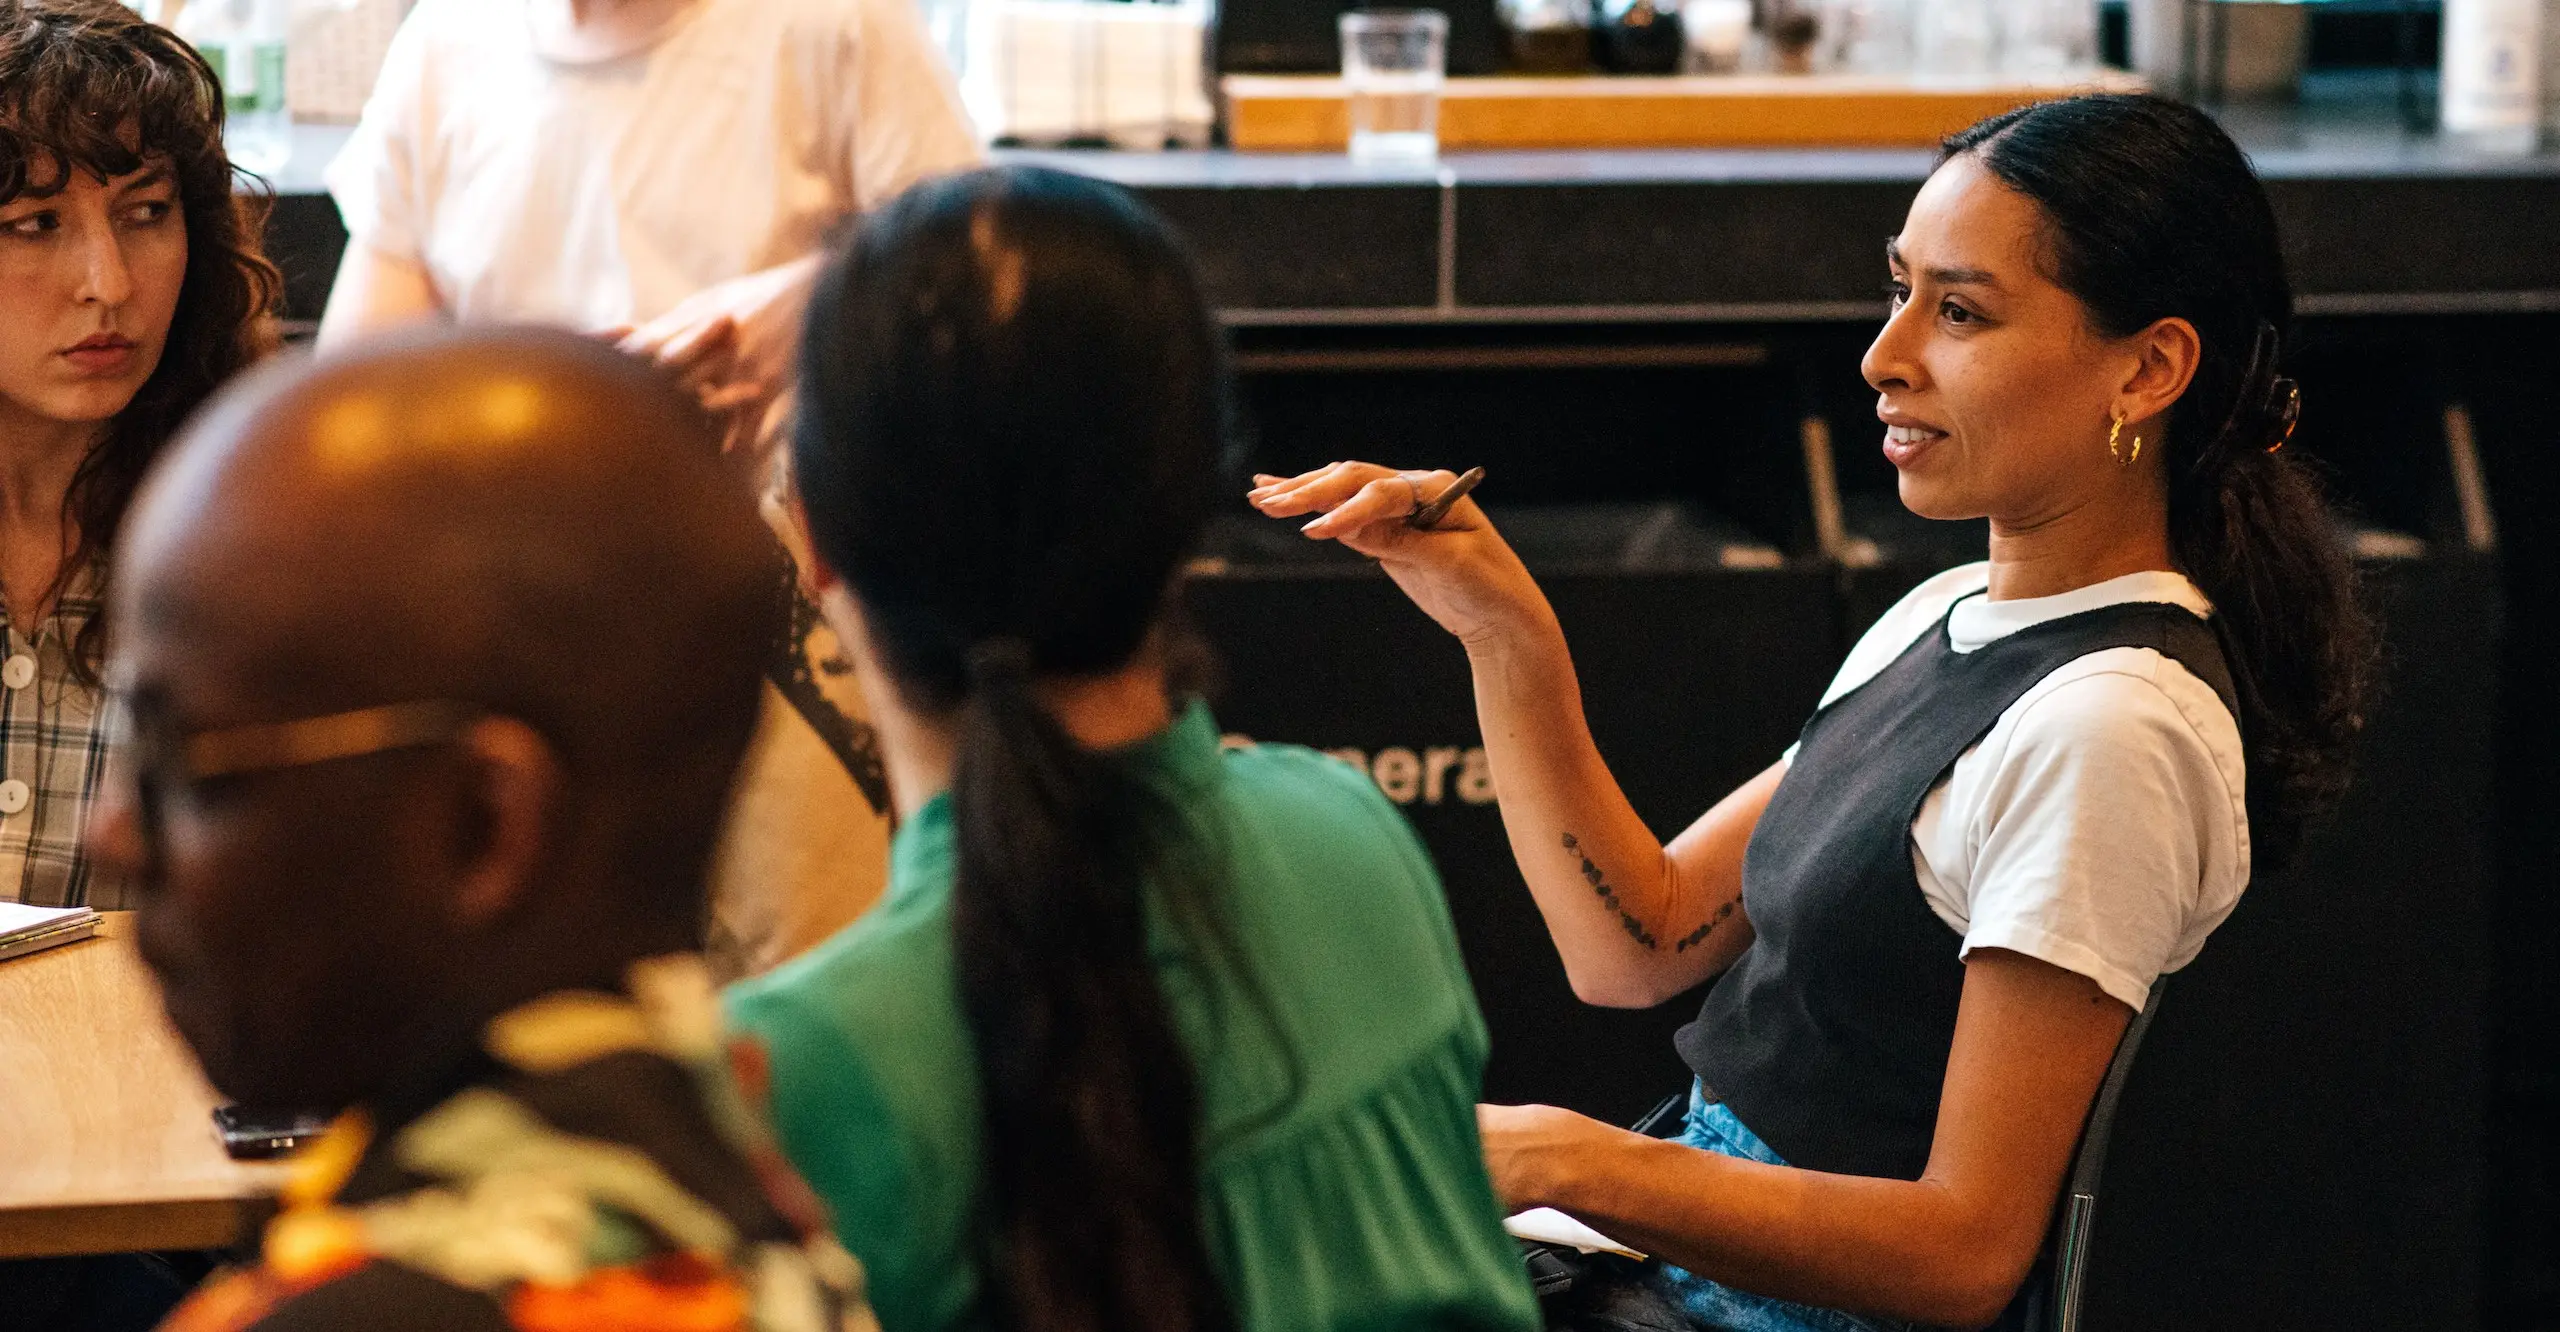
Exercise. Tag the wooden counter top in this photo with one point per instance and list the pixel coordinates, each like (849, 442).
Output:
(106, 1131)
(1267, 113)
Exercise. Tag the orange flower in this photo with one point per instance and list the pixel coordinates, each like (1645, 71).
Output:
(668, 1293)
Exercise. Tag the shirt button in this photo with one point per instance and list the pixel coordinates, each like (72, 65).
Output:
(13, 796)
(19, 672)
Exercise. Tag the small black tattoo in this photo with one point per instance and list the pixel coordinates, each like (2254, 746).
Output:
(1699, 935)
(1600, 884)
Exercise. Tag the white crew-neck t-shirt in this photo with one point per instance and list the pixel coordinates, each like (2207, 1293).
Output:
(598, 194)
(2101, 825)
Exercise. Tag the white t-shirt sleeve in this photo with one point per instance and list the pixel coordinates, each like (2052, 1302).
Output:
(376, 176)
(907, 122)
(2109, 838)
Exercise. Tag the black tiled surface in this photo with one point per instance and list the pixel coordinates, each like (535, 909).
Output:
(2420, 235)
(1354, 246)
(1746, 243)
(1285, 248)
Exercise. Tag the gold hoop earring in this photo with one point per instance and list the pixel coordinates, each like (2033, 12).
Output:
(2115, 451)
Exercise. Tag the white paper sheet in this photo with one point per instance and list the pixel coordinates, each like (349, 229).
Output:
(1546, 1225)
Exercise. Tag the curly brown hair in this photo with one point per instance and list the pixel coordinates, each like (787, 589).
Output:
(87, 85)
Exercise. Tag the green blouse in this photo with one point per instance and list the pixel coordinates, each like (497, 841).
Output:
(1363, 1204)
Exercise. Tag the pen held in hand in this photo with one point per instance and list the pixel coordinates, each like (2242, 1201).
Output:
(1429, 515)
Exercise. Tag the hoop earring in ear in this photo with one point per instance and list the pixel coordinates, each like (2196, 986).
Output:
(2116, 451)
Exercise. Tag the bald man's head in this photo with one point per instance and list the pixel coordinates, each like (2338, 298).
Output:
(528, 524)
(526, 518)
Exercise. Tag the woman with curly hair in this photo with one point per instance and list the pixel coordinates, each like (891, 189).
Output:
(131, 284)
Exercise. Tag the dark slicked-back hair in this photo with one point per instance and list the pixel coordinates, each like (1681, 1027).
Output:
(87, 85)
(2152, 212)
(1012, 421)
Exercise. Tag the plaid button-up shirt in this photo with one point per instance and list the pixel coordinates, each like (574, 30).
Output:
(54, 739)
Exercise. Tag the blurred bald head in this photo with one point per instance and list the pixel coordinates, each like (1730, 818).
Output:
(526, 522)
(518, 518)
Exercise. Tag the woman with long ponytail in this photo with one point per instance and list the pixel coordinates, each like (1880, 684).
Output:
(1148, 1034)
(2036, 786)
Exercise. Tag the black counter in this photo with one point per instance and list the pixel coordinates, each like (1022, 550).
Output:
(2377, 220)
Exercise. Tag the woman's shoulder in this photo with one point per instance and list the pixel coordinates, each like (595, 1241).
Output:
(884, 975)
(1339, 904)
(1299, 796)
(2121, 702)
(1303, 776)
(2127, 729)
(869, 1084)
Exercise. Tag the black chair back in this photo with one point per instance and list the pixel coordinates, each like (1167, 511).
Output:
(2055, 1288)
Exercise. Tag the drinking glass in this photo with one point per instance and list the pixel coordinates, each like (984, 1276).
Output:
(1393, 61)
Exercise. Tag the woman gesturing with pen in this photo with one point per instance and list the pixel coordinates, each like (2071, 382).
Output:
(2035, 786)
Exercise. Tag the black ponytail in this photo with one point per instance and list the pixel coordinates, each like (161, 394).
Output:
(2152, 212)
(1090, 1104)
(1011, 427)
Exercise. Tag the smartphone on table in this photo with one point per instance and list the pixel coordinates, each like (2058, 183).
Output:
(256, 1135)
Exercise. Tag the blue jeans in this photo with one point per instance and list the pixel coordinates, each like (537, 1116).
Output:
(1708, 1304)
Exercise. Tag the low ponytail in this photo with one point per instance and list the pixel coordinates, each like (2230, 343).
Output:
(1011, 427)
(1091, 1196)
(2152, 212)
(2250, 523)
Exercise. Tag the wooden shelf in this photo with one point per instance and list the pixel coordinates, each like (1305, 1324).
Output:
(1277, 113)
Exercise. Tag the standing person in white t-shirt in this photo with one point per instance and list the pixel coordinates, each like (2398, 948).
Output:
(664, 172)
(2037, 785)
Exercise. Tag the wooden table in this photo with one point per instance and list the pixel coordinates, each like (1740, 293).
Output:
(106, 1129)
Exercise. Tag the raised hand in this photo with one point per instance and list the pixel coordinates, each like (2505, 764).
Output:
(1459, 570)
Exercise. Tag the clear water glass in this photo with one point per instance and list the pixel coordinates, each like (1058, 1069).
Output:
(1393, 64)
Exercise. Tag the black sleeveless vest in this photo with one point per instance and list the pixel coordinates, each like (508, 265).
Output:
(1830, 1037)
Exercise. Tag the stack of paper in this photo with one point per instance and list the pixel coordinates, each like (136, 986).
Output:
(1048, 72)
(26, 929)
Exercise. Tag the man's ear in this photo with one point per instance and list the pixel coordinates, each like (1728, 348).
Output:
(518, 783)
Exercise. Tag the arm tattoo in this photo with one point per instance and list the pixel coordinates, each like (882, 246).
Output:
(1600, 884)
(1699, 935)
